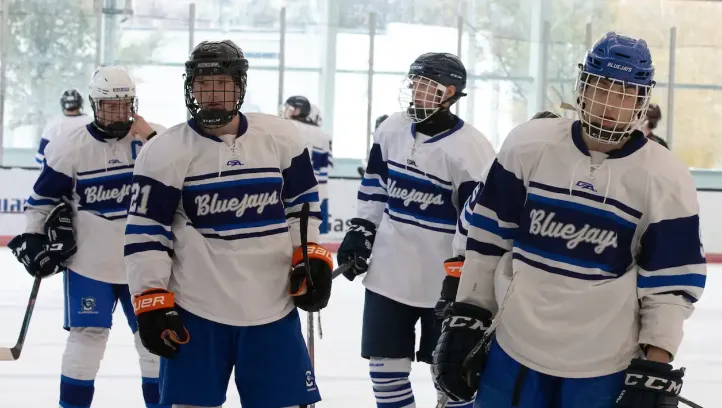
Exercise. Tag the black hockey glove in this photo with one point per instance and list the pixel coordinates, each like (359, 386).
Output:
(60, 232)
(356, 247)
(449, 287)
(311, 294)
(650, 384)
(159, 325)
(455, 369)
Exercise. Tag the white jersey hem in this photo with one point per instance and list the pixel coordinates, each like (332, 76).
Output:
(406, 302)
(502, 340)
(80, 272)
(202, 314)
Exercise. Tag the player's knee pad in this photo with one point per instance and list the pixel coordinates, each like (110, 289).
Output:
(149, 363)
(390, 380)
(83, 351)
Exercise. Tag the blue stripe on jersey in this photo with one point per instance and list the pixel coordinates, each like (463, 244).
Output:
(91, 172)
(130, 249)
(583, 194)
(417, 171)
(235, 172)
(489, 225)
(503, 193)
(319, 159)
(160, 203)
(105, 194)
(558, 271)
(567, 259)
(376, 164)
(671, 243)
(39, 202)
(420, 199)
(417, 224)
(298, 178)
(247, 235)
(484, 248)
(371, 182)
(553, 202)
(381, 198)
(234, 204)
(658, 281)
(53, 184)
(585, 234)
(148, 230)
(42, 145)
(304, 198)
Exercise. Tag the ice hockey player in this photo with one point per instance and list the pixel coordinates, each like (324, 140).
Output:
(71, 102)
(423, 165)
(603, 226)
(84, 191)
(317, 142)
(452, 266)
(654, 115)
(213, 246)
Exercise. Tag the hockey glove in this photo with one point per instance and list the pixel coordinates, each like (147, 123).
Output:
(311, 294)
(650, 384)
(356, 247)
(449, 287)
(59, 230)
(461, 332)
(159, 325)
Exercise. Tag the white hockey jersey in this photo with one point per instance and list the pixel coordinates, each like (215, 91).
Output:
(216, 221)
(413, 190)
(318, 144)
(59, 125)
(606, 249)
(95, 174)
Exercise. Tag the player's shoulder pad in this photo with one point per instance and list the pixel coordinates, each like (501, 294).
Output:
(165, 149)
(158, 128)
(470, 142)
(395, 123)
(533, 133)
(68, 143)
(670, 172)
(282, 131)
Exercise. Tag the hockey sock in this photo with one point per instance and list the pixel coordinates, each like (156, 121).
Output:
(149, 367)
(81, 360)
(390, 380)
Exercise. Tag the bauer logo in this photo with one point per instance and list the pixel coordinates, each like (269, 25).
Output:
(619, 67)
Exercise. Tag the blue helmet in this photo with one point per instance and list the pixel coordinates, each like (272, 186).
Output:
(622, 58)
(614, 86)
(425, 91)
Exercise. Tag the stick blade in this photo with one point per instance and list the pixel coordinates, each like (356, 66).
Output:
(9, 354)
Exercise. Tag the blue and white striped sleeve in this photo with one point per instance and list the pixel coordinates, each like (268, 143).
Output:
(494, 221)
(299, 187)
(320, 161)
(672, 266)
(462, 224)
(372, 194)
(56, 180)
(155, 195)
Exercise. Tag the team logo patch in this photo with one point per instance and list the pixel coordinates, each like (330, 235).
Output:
(87, 305)
(310, 382)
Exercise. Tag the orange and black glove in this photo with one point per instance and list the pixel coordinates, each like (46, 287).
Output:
(311, 284)
(449, 287)
(159, 325)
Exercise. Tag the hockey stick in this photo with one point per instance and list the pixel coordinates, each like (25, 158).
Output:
(12, 354)
(305, 214)
(341, 269)
(688, 402)
(443, 401)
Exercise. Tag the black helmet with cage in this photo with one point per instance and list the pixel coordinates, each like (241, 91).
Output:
(215, 58)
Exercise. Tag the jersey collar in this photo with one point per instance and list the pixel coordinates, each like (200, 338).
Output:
(440, 135)
(242, 128)
(635, 142)
(98, 134)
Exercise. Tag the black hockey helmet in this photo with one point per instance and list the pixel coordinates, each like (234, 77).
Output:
(215, 58)
(296, 102)
(425, 89)
(545, 115)
(71, 99)
(380, 120)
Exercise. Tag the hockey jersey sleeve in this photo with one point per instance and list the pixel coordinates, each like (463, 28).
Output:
(672, 268)
(372, 194)
(462, 224)
(300, 187)
(155, 195)
(493, 223)
(45, 137)
(56, 180)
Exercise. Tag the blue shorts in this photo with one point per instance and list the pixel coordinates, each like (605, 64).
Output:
(389, 329)
(273, 368)
(323, 229)
(505, 384)
(91, 303)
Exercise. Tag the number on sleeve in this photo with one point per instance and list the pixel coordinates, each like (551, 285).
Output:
(144, 193)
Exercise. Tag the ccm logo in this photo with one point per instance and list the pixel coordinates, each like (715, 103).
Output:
(149, 302)
(654, 383)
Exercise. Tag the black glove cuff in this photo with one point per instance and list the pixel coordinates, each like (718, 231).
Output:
(449, 288)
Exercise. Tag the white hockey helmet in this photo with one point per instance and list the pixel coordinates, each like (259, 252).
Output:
(113, 99)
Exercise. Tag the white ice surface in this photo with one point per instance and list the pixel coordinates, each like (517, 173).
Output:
(342, 375)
